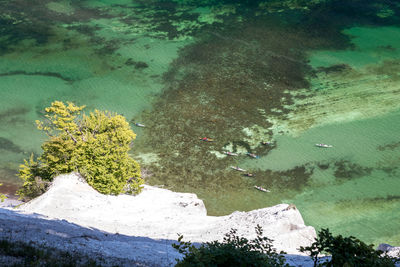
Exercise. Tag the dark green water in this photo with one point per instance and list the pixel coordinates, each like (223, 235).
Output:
(241, 72)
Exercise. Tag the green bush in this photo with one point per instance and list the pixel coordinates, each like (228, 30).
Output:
(233, 251)
(94, 145)
(26, 254)
(345, 251)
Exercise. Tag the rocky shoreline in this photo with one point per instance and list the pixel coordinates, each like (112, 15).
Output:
(72, 216)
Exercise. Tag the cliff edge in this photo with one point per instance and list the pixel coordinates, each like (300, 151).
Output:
(156, 215)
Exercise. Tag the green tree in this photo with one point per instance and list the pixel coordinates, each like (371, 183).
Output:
(94, 145)
(345, 251)
(233, 251)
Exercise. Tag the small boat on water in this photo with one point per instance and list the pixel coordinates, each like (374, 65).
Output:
(248, 174)
(139, 124)
(230, 153)
(323, 145)
(238, 169)
(206, 139)
(252, 155)
(266, 143)
(261, 189)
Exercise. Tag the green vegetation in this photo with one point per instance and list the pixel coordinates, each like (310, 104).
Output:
(233, 251)
(2, 196)
(22, 254)
(94, 145)
(346, 251)
(239, 251)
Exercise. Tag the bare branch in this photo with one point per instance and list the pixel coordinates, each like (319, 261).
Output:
(70, 135)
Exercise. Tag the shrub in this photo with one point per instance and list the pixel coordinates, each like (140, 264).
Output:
(233, 251)
(95, 145)
(345, 251)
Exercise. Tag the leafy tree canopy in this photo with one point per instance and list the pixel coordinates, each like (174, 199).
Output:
(345, 251)
(94, 145)
(233, 251)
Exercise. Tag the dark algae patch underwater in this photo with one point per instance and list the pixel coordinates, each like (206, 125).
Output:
(293, 73)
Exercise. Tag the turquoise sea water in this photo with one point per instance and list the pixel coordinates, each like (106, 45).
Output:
(240, 72)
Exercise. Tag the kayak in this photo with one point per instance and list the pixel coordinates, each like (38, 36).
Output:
(206, 139)
(238, 169)
(267, 143)
(261, 189)
(252, 155)
(230, 153)
(323, 145)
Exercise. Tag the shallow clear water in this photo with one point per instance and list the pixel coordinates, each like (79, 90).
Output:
(242, 73)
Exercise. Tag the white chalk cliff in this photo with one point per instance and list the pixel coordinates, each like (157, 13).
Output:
(152, 218)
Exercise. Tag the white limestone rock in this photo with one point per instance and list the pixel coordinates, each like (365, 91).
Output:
(390, 250)
(161, 214)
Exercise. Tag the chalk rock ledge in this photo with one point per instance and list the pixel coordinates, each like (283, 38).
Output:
(390, 250)
(161, 214)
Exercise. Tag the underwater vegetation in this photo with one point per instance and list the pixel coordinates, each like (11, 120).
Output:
(239, 72)
(246, 73)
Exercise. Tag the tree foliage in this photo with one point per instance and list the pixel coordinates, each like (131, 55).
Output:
(232, 251)
(94, 145)
(345, 251)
